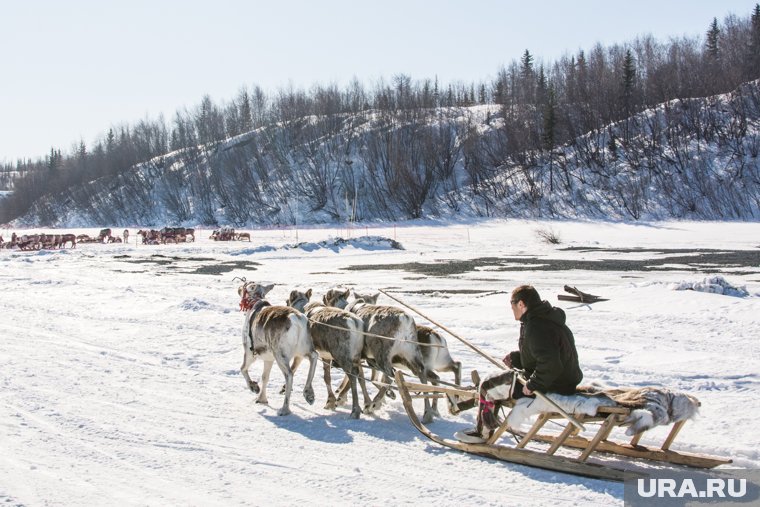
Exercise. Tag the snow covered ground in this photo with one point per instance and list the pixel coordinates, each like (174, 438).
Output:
(119, 364)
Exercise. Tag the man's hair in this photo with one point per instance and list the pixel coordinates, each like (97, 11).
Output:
(527, 294)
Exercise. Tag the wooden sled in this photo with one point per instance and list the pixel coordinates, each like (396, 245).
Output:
(545, 457)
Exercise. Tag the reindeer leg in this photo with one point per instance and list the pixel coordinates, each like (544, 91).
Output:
(434, 404)
(422, 372)
(264, 381)
(331, 403)
(308, 390)
(293, 366)
(377, 378)
(427, 416)
(362, 382)
(458, 373)
(343, 390)
(282, 362)
(380, 396)
(355, 408)
(248, 359)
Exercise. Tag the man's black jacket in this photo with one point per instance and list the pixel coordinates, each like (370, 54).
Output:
(547, 351)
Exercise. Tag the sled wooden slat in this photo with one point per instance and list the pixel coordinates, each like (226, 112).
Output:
(429, 388)
(533, 430)
(672, 435)
(601, 434)
(560, 440)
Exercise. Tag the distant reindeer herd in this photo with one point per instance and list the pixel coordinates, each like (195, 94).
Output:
(166, 235)
(229, 234)
(163, 236)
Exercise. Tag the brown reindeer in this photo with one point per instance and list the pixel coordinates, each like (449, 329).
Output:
(337, 336)
(390, 341)
(68, 238)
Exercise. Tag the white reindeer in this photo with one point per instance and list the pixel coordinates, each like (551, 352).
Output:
(436, 357)
(338, 337)
(277, 334)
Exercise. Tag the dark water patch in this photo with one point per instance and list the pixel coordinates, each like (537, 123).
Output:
(734, 262)
(208, 265)
(224, 267)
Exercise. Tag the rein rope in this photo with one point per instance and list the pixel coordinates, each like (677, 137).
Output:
(366, 333)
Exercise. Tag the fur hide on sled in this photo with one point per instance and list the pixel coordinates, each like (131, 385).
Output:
(650, 406)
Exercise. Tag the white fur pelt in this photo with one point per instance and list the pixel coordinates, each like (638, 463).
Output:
(576, 404)
(651, 406)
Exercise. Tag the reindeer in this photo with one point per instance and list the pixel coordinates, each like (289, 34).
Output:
(390, 340)
(104, 236)
(68, 238)
(337, 336)
(277, 334)
(436, 357)
(149, 237)
(243, 235)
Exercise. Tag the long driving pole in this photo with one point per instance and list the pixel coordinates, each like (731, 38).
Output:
(498, 363)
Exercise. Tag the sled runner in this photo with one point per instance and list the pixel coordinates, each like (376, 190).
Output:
(542, 457)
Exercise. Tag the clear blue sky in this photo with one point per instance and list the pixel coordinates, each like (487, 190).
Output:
(71, 69)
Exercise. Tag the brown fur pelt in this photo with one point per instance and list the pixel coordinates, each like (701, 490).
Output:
(650, 406)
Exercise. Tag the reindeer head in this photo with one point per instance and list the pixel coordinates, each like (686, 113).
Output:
(298, 299)
(370, 299)
(254, 290)
(250, 292)
(337, 298)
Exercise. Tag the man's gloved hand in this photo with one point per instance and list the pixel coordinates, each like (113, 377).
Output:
(507, 361)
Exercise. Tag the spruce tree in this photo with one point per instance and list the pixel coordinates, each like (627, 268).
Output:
(527, 85)
(629, 83)
(549, 132)
(246, 119)
(711, 45)
(753, 51)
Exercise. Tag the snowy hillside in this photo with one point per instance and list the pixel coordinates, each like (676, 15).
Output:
(686, 159)
(119, 364)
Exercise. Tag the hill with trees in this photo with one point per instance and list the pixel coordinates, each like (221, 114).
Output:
(634, 131)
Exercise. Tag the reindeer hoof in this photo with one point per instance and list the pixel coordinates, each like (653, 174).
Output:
(255, 389)
(308, 393)
(390, 394)
(370, 408)
(330, 405)
(284, 411)
(263, 401)
(355, 414)
(428, 418)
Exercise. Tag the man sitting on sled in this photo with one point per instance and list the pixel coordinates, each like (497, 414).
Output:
(546, 353)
